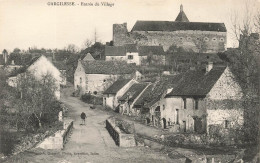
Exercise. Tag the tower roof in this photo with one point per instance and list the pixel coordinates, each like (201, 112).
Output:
(182, 16)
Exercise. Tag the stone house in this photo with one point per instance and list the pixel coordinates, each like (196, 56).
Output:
(204, 101)
(202, 37)
(115, 91)
(39, 66)
(129, 98)
(139, 55)
(96, 76)
(151, 102)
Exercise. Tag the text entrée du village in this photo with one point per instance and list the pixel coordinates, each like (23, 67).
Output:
(97, 4)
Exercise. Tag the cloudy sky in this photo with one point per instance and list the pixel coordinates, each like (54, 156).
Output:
(28, 23)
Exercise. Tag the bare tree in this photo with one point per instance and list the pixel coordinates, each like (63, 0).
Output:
(87, 43)
(243, 62)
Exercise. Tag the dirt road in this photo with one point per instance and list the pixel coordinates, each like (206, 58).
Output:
(91, 142)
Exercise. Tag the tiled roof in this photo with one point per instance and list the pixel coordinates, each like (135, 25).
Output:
(60, 65)
(154, 50)
(108, 67)
(24, 68)
(120, 50)
(87, 57)
(176, 26)
(131, 48)
(115, 51)
(154, 92)
(133, 91)
(116, 86)
(199, 57)
(197, 82)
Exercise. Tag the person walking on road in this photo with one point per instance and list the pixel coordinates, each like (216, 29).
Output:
(83, 117)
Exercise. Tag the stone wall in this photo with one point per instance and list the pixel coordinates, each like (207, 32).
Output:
(121, 132)
(197, 41)
(58, 140)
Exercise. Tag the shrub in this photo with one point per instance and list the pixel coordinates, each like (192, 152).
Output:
(7, 141)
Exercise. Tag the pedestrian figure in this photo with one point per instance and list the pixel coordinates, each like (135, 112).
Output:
(83, 117)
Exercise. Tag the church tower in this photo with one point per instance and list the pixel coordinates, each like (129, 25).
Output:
(182, 16)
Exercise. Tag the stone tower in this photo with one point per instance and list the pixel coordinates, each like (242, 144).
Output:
(182, 16)
(119, 34)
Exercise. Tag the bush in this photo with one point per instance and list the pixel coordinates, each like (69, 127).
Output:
(90, 99)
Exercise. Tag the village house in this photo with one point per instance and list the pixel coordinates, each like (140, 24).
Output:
(61, 66)
(39, 66)
(151, 102)
(115, 91)
(96, 76)
(140, 55)
(204, 101)
(129, 98)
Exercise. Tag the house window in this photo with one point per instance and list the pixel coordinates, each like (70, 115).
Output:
(130, 57)
(80, 80)
(214, 39)
(157, 109)
(188, 38)
(163, 107)
(222, 39)
(185, 103)
(227, 124)
(196, 104)
(104, 80)
(177, 116)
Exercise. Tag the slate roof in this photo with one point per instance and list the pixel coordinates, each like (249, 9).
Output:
(133, 91)
(182, 17)
(108, 67)
(197, 82)
(147, 50)
(176, 26)
(116, 86)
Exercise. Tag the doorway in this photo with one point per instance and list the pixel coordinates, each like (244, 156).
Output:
(184, 126)
(164, 123)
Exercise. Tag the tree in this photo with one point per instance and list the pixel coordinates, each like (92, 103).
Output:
(87, 43)
(97, 50)
(243, 63)
(17, 50)
(72, 48)
(37, 101)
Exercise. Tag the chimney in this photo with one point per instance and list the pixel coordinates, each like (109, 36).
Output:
(209, 67)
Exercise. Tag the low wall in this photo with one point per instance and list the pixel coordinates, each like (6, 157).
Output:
(121, 138)
(59, 139)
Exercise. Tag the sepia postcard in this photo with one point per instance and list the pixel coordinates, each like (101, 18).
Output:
(93, 81)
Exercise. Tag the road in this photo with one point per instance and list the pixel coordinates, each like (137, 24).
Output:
(91, 142)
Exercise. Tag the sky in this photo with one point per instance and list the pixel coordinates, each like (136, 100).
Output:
(30, 23)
